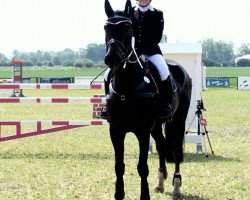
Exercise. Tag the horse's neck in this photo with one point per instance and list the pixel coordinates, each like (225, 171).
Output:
(126, 79)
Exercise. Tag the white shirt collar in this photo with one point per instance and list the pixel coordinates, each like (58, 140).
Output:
(146, 8)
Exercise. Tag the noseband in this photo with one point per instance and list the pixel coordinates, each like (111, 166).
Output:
(117, 43)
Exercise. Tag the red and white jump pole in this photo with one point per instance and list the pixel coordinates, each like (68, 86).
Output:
(55, 126)
(53, 99)
(60, 126)
(50, 86)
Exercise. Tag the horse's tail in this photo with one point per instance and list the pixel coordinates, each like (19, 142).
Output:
(175, 131)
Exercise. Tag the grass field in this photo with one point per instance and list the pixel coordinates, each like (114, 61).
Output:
(227, 71)
(54, 72)
(57, 72)
(79, 164)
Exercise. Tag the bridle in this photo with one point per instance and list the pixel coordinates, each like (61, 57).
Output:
(127, 53)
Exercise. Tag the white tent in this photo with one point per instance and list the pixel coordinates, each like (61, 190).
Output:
(189, 56)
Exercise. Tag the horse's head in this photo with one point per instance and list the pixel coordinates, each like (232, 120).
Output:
(118, 34)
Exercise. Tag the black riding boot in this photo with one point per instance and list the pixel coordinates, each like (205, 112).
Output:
(103, 113)
(166, 100)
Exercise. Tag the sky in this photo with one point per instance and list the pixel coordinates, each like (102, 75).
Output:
(53, 25)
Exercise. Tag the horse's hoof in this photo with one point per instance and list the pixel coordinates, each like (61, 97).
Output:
(176, 194)
(159, 189)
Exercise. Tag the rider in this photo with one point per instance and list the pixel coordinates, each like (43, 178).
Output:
(148, 24)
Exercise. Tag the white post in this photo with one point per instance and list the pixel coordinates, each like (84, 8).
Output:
(204, 76)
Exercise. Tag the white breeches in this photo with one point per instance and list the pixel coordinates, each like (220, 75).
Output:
(158, 61)
(160, 64)
(106, 74)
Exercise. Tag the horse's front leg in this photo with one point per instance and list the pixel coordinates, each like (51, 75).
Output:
(142, 167)
(117, 138)
(160, 141)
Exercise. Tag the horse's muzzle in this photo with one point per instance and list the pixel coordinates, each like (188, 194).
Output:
(113, 58)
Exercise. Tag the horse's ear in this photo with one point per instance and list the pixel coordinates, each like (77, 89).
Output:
(128, 8)
(108, 9)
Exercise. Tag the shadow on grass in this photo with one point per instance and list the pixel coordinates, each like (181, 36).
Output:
(194, 157)
(65, 156)
(188, 197)
(188, 157)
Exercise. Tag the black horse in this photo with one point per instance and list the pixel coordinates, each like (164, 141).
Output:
(132, 104)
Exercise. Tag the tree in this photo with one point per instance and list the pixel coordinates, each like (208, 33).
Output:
(57, 61)
(3, 57)
(217, 53)
(92, 52)
(47, 56)
(68, 54)
(244, 49)
(95, 52)
(16, 53)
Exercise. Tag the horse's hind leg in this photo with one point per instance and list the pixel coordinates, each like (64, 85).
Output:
(117, 138)
(161, 147)
(142, 167)
(178, 128)
(176, 182)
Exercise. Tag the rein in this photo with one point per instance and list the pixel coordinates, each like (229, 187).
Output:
(125, 60)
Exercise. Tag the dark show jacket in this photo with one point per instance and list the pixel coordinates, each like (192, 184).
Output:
(148, 29)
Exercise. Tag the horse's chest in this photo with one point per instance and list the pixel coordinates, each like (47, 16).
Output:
(130, 113)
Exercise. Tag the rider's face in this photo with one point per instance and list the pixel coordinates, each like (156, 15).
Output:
(143, 3)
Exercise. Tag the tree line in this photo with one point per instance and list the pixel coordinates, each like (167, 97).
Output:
(214, 53)
(93, 55)
(221, 53)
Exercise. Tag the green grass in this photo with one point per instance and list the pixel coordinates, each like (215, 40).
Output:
(55, 72)
(52, 72)
(232, 72)
(79, 163)
(227, 71)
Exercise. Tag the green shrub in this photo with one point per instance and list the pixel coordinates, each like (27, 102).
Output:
(244, 62)
(50, 64)
(79, 64)
(39, 64)
(88, 63)
(68, 63)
